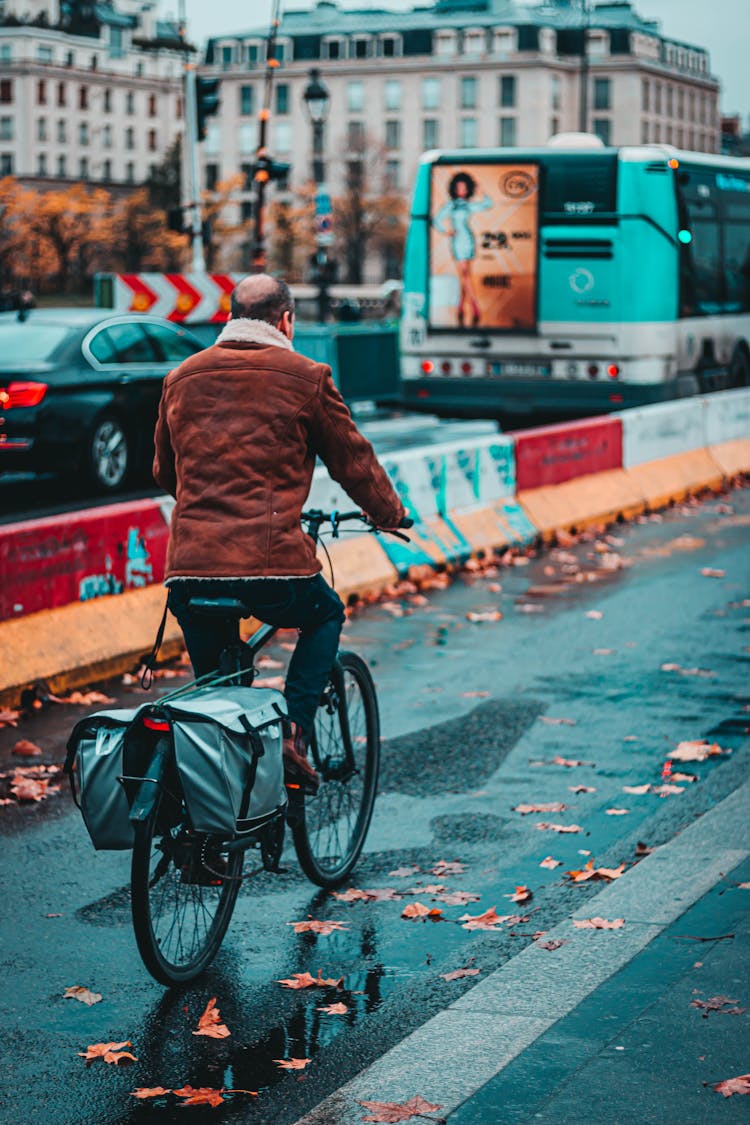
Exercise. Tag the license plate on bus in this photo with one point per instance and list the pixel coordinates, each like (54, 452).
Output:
(512, 369)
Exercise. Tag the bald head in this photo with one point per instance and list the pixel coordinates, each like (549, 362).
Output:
(262, 297)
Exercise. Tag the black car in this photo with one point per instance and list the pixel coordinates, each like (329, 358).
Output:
(80, 389)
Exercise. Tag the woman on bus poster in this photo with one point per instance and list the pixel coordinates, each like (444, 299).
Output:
(483, 272)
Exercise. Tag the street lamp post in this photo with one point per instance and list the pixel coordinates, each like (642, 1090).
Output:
(317, 102)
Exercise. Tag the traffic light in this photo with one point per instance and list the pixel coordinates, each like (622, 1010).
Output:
(207, 101)
(266, 168)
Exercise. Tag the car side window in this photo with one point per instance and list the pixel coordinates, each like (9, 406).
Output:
(130, 344)
(102, 348)
(171, 344)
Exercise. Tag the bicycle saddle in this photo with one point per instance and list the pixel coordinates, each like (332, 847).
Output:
(219, 607)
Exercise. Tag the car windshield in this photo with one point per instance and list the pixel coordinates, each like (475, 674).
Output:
(23, 342)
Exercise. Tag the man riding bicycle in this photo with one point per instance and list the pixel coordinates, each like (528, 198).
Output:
(240, 425)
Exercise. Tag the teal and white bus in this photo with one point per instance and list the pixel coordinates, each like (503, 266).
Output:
(574, 279)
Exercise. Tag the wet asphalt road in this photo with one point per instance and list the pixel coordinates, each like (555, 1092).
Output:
(456, 763)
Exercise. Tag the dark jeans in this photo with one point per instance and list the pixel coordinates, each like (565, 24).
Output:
(307, 604)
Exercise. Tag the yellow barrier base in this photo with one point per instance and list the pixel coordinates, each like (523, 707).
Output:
(732, 457)
(484, 530)
(360, 566)
(583, 502)
(673, 478)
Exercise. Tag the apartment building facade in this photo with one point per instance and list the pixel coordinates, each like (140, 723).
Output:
(88, 92)
(461, 73)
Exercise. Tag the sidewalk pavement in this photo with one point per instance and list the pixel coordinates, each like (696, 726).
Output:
(636, 1050)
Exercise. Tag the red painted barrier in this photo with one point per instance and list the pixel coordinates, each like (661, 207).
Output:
(553, 454)
(76, 556)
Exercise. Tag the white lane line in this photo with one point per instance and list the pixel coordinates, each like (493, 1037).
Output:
(452, 1055)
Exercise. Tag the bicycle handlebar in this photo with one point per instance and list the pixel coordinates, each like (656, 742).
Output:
(315, 518)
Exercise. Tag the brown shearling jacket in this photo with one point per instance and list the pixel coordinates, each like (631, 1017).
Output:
(239, 427)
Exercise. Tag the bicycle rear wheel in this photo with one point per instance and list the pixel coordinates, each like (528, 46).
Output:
(180, 909)
(330, 831)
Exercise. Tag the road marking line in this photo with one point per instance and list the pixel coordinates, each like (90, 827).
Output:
(453, 1054)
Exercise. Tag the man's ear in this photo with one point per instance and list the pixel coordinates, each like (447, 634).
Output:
(286, 325)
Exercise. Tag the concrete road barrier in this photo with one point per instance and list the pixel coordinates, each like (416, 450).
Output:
(466, 498)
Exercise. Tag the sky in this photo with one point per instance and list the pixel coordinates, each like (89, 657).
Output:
(723, 26)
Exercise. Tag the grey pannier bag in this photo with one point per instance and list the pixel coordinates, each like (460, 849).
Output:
(227, 744)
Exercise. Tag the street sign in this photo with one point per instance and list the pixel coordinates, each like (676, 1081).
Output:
(323, 216)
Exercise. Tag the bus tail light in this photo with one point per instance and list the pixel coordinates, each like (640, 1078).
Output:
(421, 393)
(615, 398)
(446, 367)
(21, 394)
(593, 370)
(613, 370)
(466, 368)
(428, 366)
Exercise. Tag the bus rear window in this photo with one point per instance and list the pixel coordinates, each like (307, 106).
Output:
(579, 186)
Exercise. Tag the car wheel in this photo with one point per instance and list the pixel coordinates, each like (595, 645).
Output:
(109, 454)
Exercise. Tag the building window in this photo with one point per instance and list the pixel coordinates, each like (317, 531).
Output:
(602, 128)
(178, 108)
(130, 172)
(668, 134)
(253, 54)
(670, 103)
(107, 100)
(430, 133)
(62, 166)
(6, 91)
(83, 168)
(130, 139)
(657, 132)
(130, 102)
(94, 64)
(61, 98)
(657, 97)
(555, 91)
(645, 95)
(41, 92)
(360, 49)
(139, 70)
(644, 132)
(445, 43)
(691, 106)
(282, 99)
(393, 134)
(246, 101)
(6, 53)
(70, 59)
(393, 94)
(554, 126)
(681, 103)
(116, 47)
(83, 97)
(601, 93)
(62, 134)
(107, 136)
(355, 134)
(280, 52)
(41, 129)
(474, 42)
(468, 132)
(6, 128)
(227, 54)
(468, 93)
(152, 105)
(248, 137)
(41, 164)
(107, 170)
(507, 132)
(393, 174)
(152, 145)
(6, 163)
(83, 133)
(508, 91)
(355, 97)
(332, 49)
(282, 137)
(212, 176)
(44, 54)
(430, 93)
(389, 46)
(679, 138)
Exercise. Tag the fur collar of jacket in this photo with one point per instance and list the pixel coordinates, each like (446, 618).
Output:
(257, 332)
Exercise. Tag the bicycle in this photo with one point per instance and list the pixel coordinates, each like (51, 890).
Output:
(184, 885)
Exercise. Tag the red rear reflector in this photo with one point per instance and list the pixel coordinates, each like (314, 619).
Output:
(423, 394)
(21, 394)
(593, 369)
(615, 398)
(428, 366)
(291, 785)
(613, 370)
(466, 368)
(445, 367)
(155, 724)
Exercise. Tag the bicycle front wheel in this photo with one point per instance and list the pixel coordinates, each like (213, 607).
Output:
(330, 831)
(183, 891)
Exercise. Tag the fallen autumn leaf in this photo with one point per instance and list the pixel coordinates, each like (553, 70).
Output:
(389, 1113)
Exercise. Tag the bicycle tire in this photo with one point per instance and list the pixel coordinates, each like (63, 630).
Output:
(155, 944)
(323, 857)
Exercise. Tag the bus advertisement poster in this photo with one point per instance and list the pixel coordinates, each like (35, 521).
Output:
(483, 246)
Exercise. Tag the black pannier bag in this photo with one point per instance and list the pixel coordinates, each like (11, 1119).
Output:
(227, 744)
